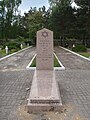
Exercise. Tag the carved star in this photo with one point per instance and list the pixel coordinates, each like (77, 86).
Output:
(45, 34)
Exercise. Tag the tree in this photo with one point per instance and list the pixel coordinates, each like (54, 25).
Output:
(62, 18)
(11, 8)
(37, 19)
(35, 23)
(2, 21)
(23, 26)
(83, 17)
(8, 10)
(62, 2)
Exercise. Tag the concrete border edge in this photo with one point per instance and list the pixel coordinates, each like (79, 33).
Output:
(55, 68)
(28, 66)
(14, 53)
(75, 53)
(59, 68)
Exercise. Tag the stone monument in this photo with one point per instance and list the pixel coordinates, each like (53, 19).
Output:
(44, 58)
(44, 94)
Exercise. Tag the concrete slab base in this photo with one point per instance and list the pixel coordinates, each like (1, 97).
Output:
(32, 108)
(44, 94)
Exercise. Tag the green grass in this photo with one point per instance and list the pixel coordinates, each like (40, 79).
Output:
(56, 63)
(2, 53)
(33, 63)
(85, 54)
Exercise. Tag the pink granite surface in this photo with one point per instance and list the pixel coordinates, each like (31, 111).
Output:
(44, 87)
(44, 58)
(44, 95)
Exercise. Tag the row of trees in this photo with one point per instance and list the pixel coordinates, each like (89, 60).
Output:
(65, 21)
(71, 22)
(9, 18)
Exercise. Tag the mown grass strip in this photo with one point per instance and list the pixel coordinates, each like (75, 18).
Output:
(56, 63)
(85, 54)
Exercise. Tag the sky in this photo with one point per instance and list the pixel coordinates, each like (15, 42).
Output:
(26, 4)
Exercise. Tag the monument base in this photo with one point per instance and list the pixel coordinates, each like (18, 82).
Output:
(32, 108)
(44, 95)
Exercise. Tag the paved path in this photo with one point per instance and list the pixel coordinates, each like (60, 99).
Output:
(74, 84)
(18, 61)
(71, 61)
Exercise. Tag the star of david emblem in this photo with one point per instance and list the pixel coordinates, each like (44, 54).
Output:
(45, 34)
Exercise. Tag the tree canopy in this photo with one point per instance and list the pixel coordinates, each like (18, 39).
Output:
(65, 21)
(8, 17)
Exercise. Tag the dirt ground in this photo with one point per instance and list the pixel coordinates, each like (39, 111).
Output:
(67, 112)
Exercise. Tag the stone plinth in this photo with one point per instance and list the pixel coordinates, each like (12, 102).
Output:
(44, 93)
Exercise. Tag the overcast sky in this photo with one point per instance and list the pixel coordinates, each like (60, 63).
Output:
(26, 4)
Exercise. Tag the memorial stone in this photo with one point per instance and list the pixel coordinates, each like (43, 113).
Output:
(44, 94)
(44, 58)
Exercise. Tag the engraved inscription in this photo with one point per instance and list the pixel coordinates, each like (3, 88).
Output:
(44, 59)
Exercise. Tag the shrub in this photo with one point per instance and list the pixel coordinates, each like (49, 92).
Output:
(20, 39)
(1, 46)
(13, 50)
(79, 48)
(13, 45)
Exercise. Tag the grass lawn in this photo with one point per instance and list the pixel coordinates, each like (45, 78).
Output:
(2, 53)
(85, 54)
(56, 63)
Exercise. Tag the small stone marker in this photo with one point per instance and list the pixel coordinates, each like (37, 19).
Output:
(6, 48)
(27, 44)
(44, 94)
(73, 45)
(21, 46)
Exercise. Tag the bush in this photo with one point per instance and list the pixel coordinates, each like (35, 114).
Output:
(1, 46)
(20, 39)
(13, 50)
(13, 45)
(79, 48)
